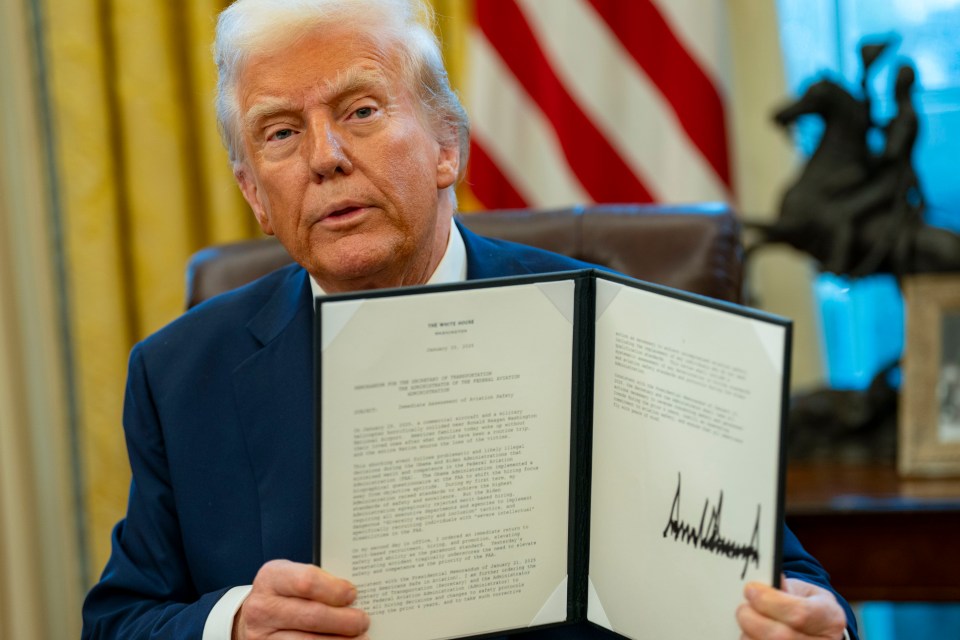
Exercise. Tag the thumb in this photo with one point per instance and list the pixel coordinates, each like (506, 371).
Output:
(800, 588)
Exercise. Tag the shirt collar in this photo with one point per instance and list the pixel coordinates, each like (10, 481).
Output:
(452, 267)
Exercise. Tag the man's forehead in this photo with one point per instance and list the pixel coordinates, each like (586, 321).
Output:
(328, 90)
(329, 59)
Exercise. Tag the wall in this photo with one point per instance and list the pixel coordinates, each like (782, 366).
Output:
(779, 279)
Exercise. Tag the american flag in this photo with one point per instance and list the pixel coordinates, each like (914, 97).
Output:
(583, 101)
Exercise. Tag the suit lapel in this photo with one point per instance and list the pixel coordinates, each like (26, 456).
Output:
(274, 395)
(488, 259)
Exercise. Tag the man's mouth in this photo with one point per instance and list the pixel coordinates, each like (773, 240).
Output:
(343, 212)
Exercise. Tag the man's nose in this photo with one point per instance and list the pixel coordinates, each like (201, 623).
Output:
(328, 153)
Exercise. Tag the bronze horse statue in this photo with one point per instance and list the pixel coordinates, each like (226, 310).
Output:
(854, 210)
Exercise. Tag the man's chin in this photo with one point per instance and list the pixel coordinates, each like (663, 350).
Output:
(367, 261)
(358, 275)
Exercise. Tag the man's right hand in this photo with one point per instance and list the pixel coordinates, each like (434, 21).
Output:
(294, 597)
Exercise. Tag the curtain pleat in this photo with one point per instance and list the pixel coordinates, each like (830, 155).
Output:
(145, 183)
(454, 18)
(100, 324)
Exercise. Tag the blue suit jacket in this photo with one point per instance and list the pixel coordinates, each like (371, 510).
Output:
(218, 418)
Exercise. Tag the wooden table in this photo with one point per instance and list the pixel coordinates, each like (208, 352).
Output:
(879, 536)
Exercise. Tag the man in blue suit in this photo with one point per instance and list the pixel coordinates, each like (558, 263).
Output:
(347, 142)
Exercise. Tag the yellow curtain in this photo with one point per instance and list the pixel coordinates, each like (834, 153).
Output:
(454, 18)
(143, 183)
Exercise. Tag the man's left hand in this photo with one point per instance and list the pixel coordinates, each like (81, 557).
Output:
(801, 611)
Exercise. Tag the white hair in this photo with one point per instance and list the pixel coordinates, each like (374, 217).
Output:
(248, 28)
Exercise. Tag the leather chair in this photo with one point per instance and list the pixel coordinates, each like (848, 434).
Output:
(691, 247)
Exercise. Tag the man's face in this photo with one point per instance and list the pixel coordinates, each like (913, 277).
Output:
(341, 165)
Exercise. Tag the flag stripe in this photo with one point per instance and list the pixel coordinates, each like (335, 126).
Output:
(602, 172)
(488, 183)
(515, 134)
(702, 27)
(647, 36)
(620, 99)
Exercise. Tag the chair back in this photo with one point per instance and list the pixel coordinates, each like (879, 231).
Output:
(691, 247)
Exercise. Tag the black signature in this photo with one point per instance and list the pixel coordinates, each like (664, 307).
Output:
(707, 535)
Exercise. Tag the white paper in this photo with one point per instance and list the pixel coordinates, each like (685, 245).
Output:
(595, 612)
(555, 608)
(445, 457)
(687, 404)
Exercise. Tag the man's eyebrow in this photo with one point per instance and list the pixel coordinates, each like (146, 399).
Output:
(265, 108)
(353, 80)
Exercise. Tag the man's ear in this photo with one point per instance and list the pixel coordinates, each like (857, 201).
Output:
(448, 166)
(248, 187)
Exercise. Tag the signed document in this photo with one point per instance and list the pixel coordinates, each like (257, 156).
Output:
(508, 454)
(685, 507)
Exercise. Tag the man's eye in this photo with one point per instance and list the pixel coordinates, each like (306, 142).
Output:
(363, 112)
(282, 134)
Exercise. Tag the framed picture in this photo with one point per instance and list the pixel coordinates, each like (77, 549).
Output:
(929, 424)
